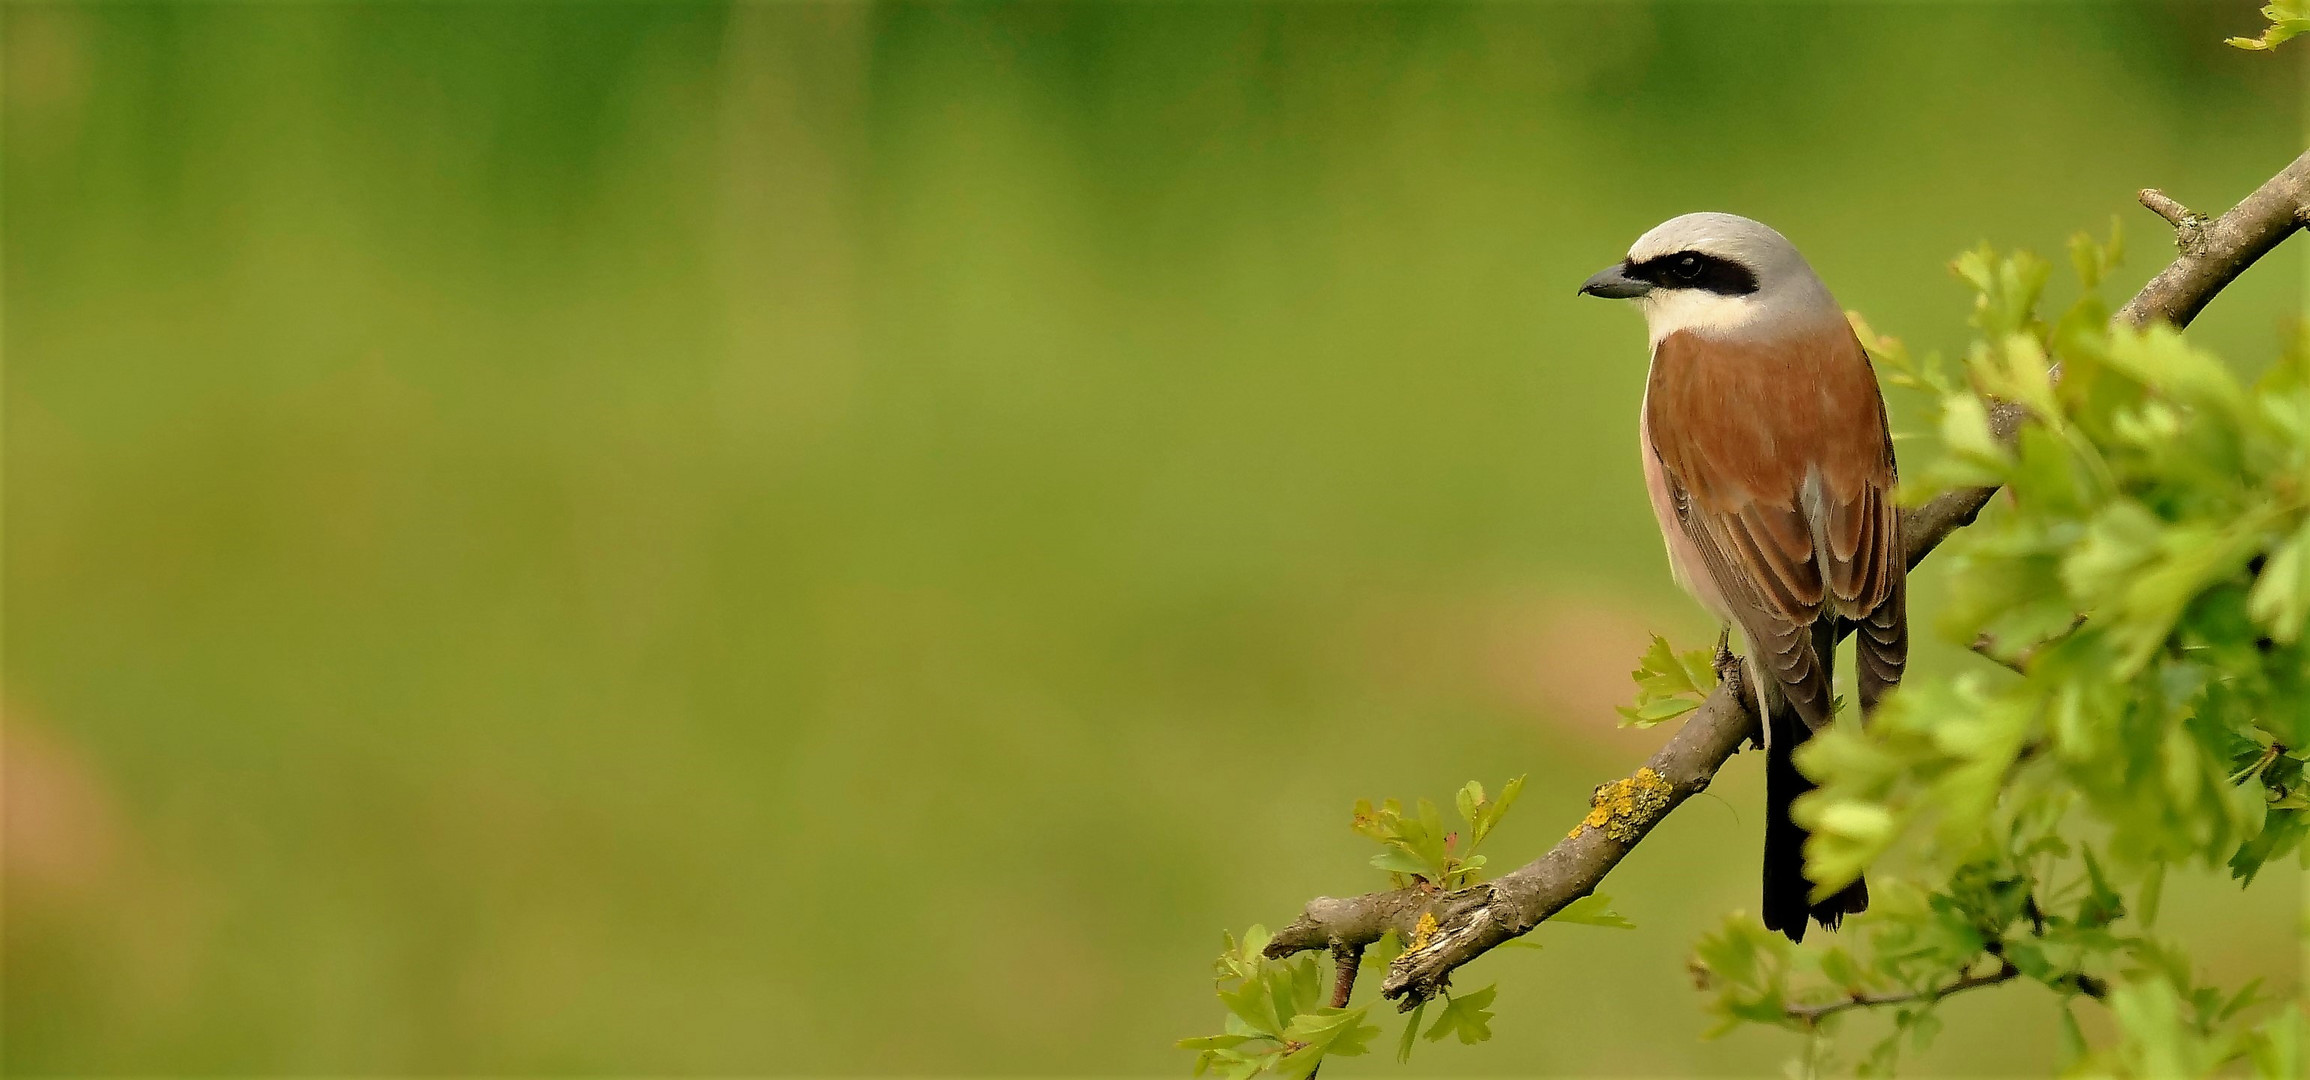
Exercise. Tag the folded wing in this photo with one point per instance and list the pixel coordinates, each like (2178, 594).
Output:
(1781, 467)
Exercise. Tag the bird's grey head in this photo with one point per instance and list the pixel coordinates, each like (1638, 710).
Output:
(1719, 274)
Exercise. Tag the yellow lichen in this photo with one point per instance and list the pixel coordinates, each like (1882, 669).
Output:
(1624, 807)
(1423, 931)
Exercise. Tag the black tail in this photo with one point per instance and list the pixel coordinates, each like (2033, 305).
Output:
(1786, 888)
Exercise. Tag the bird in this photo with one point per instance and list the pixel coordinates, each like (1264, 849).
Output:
(1770, 469)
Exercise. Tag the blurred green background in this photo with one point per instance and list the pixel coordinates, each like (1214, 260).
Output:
(856, 538)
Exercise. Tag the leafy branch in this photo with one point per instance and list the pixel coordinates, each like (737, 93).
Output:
(2141, 586)
(2288, 18)
(1812, 1015)
(1420, 851)
(1670, 684)
(1275, 1024)
(2003, 426)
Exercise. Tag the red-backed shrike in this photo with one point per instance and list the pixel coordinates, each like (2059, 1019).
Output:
(1771, 472)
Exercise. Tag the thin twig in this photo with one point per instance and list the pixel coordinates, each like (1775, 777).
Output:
(1814, 1014)
(2189, 225)
(1987, 647)
(1346, 959)
(1986, 644)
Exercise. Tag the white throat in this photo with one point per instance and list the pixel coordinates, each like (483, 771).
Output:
(1781, 309)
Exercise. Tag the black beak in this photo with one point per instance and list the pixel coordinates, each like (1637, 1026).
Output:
(1613, 283)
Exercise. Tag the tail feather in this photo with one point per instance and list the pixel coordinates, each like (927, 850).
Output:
(1787, 891)
(1881, 645)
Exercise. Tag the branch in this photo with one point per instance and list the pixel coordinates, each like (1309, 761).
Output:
(1470, 922)
(1345, 960)
(2215, 252)
(1988, 646)
(2076, 981)
(2189, 225)
(1814, 1014)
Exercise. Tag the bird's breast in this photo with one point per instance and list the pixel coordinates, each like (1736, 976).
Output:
(1684, 559)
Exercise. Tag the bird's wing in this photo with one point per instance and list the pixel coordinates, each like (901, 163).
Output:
(1779, 459)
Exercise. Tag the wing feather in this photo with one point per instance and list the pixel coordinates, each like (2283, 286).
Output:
(1783, 469)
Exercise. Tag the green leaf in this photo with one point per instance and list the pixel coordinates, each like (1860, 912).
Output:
(2093, 261)
(1668, 685)
(1215, 1042)
(1411, 1028)
(1468, 1016)
(2282, 831)
(1922, 1029)
(1428, 840)
(1594, 909)
(1332, 1030)
(2101, 905)
(2277, 1049)
(1254, 1004)
(1976, 457)
(1305, 987)
(2018, 370)
(1838, 967)
(2288, 19)
(2247, 995)
(2281, 596)
(2072, 1047)
(2119, 540)
(1655, 711)
(1299, 1064)
(1492, 813)
(1398, 861)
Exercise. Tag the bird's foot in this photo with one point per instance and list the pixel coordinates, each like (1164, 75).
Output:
(1728, 666)
(1729, 672)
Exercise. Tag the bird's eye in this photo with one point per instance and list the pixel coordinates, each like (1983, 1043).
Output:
(1686, 268)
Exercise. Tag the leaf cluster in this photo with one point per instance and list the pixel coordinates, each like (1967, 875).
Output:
(1280, 1020)
(1669, 684)
(1279, 1017)
(1419, 849)
(2143, 584)
(2288, 19)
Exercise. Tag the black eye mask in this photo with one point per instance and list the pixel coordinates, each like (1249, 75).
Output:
(1696, 270)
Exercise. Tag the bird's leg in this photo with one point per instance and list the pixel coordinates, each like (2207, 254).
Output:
(1728, 671)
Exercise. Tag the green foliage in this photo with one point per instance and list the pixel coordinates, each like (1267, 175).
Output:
(1669, 684)
(1595, 909)
(2143, 587)
(1279, 1017)
(2287, 19)
(1468, 1016)
(2143, 580)
(1418, 849)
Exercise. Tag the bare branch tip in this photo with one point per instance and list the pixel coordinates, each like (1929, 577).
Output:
(1986, 645)
(1346, 960)
(2167, 207)
(1303, 934)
